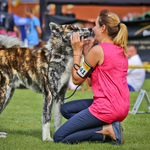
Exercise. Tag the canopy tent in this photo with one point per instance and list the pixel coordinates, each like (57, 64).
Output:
(44, 3)
(64, 20)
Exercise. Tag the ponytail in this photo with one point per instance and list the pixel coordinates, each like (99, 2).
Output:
(116, 29)
(121, 37)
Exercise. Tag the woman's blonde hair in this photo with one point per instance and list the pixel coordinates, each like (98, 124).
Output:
(116, 29)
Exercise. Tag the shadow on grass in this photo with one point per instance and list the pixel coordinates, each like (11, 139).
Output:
(32, 133)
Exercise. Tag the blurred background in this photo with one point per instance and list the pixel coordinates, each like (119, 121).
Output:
(134, 13)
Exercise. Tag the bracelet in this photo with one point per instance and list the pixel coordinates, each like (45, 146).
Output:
(76, 55)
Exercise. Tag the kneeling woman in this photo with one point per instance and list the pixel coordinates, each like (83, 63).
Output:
(91, 119)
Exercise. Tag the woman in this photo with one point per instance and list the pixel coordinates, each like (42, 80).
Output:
(91, 119)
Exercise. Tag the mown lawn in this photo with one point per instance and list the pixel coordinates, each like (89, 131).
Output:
(22, 122)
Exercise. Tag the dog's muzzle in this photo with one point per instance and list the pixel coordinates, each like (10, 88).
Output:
(90, 29)
(92, 33)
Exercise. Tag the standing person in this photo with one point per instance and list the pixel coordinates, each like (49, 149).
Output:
(91, 119)
(33, 30)
(135, 77)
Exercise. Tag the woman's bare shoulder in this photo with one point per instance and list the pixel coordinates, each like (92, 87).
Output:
(97, 49)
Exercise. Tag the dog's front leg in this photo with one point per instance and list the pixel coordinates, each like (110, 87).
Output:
(57, 106)
(46, 116)
(57, 114)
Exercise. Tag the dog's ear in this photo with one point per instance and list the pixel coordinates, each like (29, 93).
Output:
(55, 27)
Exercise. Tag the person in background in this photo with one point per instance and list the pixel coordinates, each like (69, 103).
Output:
(33, 30)
(135, 77)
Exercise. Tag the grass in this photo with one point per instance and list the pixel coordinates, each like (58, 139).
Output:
(21, 120)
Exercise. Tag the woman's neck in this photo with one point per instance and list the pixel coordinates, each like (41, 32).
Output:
(106, 39)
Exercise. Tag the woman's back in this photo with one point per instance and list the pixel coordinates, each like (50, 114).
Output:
(109, 81)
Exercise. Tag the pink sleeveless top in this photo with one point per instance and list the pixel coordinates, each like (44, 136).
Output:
(109, 84)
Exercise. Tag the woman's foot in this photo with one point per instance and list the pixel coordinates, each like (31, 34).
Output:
(118, 132)
(113, 131)
(108, 131)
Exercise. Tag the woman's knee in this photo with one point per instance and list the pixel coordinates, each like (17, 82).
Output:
(57, 138)
(64, 111)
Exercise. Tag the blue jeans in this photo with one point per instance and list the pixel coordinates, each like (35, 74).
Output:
(130, 87)
(81, 126)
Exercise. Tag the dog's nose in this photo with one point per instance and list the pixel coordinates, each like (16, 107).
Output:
(90, 29)
(92, 33)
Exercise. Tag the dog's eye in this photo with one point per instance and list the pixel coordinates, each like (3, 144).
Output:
(57, 30)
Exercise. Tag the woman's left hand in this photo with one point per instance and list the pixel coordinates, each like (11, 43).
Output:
(76, 43)
(88, 45)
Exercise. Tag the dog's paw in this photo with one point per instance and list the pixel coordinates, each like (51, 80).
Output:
(47, 139)
(3, 135)
(46, 132)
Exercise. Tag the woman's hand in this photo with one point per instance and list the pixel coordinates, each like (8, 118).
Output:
(76, 43)
(88, 45)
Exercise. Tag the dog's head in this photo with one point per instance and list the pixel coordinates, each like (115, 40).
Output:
(61, 34)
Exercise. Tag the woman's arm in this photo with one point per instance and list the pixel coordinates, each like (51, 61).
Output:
(77, 48)
(93, 57)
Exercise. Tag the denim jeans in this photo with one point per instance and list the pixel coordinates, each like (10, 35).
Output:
(130, 87)
(81, 124)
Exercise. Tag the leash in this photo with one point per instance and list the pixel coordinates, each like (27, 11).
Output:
(73, 92)
(49, 81)
(77, 86)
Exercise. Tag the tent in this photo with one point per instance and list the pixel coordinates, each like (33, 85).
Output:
(44, 3)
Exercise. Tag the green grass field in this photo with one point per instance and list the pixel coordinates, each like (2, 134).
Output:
(21, 120)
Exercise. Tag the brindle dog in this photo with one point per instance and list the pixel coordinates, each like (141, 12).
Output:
(46, 70)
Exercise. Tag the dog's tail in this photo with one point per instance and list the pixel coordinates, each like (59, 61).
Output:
(10, 41)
